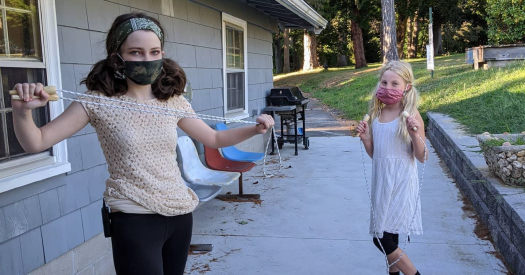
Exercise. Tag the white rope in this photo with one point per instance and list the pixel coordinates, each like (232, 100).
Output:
(180, 113)
(375, 234)
(266, 153)
(171, 112)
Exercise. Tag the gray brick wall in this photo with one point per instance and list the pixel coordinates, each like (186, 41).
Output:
(506, 226)
(44, 222)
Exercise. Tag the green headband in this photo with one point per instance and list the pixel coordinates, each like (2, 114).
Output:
(135, 24)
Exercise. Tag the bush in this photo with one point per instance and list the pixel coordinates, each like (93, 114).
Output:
(506, 21)
(456, 39)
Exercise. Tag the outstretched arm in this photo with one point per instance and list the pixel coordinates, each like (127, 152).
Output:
(200, 131)
(34, 139)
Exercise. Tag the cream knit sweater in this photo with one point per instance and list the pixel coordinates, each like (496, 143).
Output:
(140, 150)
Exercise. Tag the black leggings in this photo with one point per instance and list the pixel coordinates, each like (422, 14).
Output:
(389, 242)
(150, 243)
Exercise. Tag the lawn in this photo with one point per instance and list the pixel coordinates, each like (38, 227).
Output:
(483, 101)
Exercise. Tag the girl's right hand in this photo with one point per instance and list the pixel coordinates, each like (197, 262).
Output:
(363, 130)
(27, 91)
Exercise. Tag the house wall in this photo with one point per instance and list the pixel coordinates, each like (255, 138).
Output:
(54, 226)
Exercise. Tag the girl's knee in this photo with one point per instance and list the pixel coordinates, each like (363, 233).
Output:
(387, 244)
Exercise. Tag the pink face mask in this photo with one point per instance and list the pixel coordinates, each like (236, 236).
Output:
(389, 96)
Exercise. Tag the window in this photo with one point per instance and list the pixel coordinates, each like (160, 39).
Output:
(235, 72)
(28, 53)
(10, 148)
(20, 30)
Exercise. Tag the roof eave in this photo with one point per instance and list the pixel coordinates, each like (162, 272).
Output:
(306, 12)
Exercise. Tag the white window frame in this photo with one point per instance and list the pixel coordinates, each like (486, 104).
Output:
(36, 167)
(226, 18)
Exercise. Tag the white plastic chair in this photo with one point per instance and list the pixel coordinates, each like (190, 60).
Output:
(195, 172)
(204, 192)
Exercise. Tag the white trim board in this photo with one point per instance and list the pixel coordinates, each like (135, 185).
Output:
(241, 23)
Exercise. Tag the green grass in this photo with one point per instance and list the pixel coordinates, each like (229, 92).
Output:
(483, 101)
(520, 140)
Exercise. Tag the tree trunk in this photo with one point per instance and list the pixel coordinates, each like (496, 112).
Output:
(342, 60)
(310, 51)
(277, 54)
(359, 47)
(313, 50)
(412, 51)
(389, 31)
(381, 43)
(357, 39)
(286, 36)
(438, 41)
(410, 30)
(307, 52)
(401, 34)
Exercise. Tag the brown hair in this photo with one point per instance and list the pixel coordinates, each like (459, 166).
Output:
(170, 82)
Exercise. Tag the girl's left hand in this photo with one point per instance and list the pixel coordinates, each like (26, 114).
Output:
(411, 123)
(265, 122)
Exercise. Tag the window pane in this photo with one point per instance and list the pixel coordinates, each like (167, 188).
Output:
(235, 91)
(235, 48)
(2, 40)
(238, 39)
(23, 34)
(229, 37)
(14, 147)
(230, 61)
(11, 76)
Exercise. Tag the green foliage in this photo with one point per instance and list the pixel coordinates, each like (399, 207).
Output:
(484, 100)
(506, 21)
(456, 39)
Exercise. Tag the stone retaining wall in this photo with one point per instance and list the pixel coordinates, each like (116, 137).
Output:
(506, 226)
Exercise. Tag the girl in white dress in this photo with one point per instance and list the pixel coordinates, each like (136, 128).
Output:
(394, 144)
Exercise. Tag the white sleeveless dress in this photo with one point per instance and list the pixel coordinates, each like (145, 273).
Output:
(395, 183)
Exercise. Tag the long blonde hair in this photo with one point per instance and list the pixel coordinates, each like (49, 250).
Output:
(410, 98)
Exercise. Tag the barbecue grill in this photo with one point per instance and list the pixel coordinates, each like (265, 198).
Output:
(286, 96)
(290, 104)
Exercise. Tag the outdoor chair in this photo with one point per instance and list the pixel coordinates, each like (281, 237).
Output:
(205, 193)
(195, 172)
(216, 161)
(235, 154)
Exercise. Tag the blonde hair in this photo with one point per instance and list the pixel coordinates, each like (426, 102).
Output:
(410, 98)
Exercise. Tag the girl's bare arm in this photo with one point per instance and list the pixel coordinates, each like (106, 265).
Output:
(34, 139)
(200, 131)
(417, 145)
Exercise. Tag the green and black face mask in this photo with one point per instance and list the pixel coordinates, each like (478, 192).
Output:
(142, 72)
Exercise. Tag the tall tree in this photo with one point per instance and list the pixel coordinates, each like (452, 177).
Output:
(310, 51)
(414, 35)
(388, 31)
(405, 10)
(443, 11)
(401, 26)
(357, 36)
(286, 38)
(342, 47)
(277, 52)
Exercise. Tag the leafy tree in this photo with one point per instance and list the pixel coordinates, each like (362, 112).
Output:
(506, 21)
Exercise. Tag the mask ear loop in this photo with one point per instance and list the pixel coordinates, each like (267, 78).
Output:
(120, 74)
